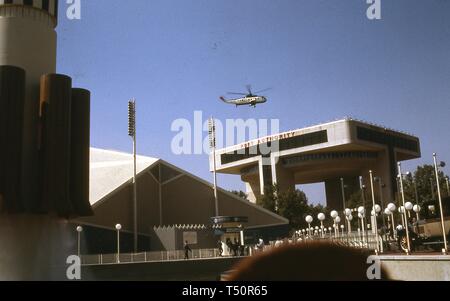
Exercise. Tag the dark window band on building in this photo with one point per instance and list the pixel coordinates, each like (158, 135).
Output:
(387, 139)
(284, 144)
(329, 156)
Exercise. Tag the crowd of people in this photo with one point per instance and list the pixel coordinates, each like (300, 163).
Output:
(231, 248)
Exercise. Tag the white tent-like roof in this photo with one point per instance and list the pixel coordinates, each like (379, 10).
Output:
(111, 169)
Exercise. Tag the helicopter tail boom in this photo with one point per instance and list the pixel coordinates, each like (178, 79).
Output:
(224, 99)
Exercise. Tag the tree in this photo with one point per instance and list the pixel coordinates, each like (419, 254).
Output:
(290, 204)
(424, 178)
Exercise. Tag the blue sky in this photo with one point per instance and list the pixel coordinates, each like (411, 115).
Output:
(323, 58)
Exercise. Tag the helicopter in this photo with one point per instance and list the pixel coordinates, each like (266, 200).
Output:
(248, 99)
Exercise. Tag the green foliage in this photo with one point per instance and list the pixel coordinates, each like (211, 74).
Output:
(291, 204)
(425, 179)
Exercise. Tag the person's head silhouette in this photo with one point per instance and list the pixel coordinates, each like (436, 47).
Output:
(305, 262)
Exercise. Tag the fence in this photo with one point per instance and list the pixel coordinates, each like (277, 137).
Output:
(143, 257)
(353, 239)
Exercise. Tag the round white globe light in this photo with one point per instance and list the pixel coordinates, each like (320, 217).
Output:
(377, 208)
(392, 207)
(337, 219)
(330, 229)
(361, 216)
(387, 211)
(118, 227)
(409, 206)
(321, 217)
(79, 229)
(317, 228)
(399, 228)
(334, 214)
(417, 208)
(361, 210)
(348, 212)
(350, 218)
(309, 219)
(342, 227)
(401, 210)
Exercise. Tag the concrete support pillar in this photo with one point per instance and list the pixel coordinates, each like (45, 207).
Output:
(283, 177)
(253, 190)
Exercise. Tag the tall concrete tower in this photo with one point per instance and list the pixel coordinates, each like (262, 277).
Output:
(44, 146)
(28, 36)
(28, 41)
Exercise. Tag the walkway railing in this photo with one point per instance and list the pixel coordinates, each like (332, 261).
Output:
(143, 257)
(353, 239)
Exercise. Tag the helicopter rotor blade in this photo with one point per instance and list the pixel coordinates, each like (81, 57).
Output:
(234, 93)
(265, 90)
(249, 89)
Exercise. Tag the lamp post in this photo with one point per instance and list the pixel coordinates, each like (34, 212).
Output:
(409, 206)
(343, 194)
(212, 145)
(79, 230)
(334, 214)
(392, 208)
(349, 218)
(377, 250)
(444, 235)
(132, 134)
(321, 217)
(118, 228)
(309, 219)
(417, 210)
(361, 217)
(404, 203)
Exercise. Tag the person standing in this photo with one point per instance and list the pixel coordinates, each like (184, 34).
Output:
(220, 247)
(187, 249)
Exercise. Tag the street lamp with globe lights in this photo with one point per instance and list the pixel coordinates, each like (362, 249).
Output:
(333, 215)
(118, 228)
(436, 168)
(349, 218)
(417, 210)
(375, 224)
(402, 190)
(392, 208)
(309, 219)
(409, 206)
(79, 230)
(321, 217)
